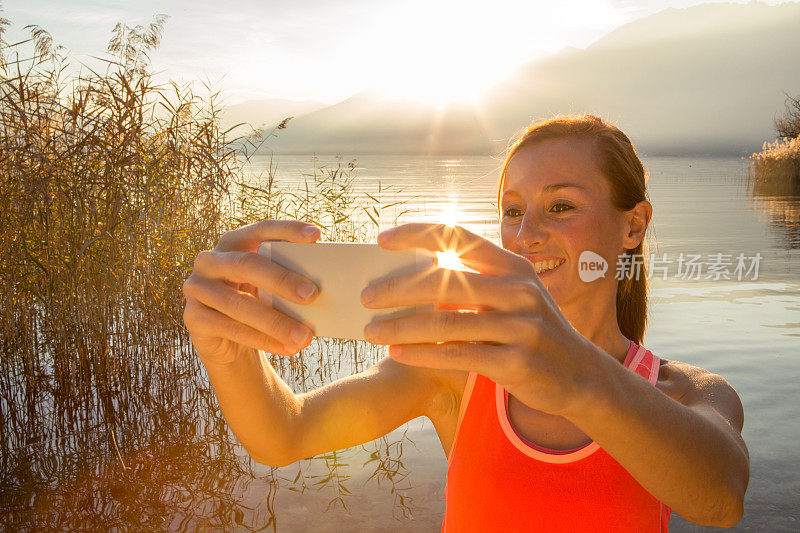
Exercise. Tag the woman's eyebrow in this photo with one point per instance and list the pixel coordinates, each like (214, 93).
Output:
(547, 188)
(556, 186)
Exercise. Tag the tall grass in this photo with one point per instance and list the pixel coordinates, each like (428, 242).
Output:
(110, 185)
(774, 184)
(775, 170)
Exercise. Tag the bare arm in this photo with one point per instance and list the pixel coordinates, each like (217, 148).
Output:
(260, 408)
(681, 440)
(278, 427)
(368, 405)
(231, 329)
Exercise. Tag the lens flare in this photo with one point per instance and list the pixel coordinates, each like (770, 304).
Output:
(449, 260)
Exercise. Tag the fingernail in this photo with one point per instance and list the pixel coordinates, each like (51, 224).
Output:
(368, 294)
(300, 335)
(308, 231)
(371, 330)
(305, 290)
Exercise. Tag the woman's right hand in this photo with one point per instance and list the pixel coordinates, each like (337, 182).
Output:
(223, 315)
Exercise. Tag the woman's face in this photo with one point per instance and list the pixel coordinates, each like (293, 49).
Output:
(556, 204)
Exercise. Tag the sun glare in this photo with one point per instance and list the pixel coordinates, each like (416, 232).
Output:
(438, 84)
(449, 258)
(445, 61)
(454, 51)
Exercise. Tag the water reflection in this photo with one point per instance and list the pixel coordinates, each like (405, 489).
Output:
(151, 450)
(776, 195)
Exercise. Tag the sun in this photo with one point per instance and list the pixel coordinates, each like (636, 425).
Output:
(445, 61)
(438, 86)
(449, 258)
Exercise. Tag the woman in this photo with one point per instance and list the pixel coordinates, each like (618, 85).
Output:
(552, 415)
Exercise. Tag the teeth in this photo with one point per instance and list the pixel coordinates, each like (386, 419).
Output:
(544, 266)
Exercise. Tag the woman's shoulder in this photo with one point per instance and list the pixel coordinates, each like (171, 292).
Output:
(676, 378)
(692, 385)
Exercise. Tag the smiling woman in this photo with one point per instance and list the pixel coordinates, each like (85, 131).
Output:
(552, 414)
(600, 177)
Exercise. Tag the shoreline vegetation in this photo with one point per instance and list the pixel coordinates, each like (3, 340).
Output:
(775, 170)
(110, 185)
(773, 175)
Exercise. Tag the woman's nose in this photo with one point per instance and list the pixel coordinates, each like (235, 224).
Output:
(532, 234)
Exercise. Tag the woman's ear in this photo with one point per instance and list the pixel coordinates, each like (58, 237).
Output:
(637, 219)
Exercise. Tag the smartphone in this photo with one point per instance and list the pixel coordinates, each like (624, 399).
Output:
(341, 271)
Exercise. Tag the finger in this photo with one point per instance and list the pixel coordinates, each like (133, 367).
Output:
(208, 323)
(448, 326)
(441, 285)
(245, 308)
(255, 269)
(485, 359)
(476, 252)
(247, 238)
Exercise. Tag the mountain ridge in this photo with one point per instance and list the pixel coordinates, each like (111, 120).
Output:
(702, 80)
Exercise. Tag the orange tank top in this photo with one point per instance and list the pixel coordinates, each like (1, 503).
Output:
(499, 481)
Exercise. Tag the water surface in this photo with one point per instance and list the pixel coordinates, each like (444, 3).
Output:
(152, 452)
(747, 330)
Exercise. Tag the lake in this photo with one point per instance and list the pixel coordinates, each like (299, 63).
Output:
(747, 330)
(149, 450)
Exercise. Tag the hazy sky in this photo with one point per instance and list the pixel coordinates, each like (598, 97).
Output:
(328, 50)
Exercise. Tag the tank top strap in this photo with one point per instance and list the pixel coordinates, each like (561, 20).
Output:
(643, 362)
(466, 395)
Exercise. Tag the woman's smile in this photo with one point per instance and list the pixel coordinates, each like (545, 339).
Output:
(544, 266)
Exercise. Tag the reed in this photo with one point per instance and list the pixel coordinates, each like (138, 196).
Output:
(110, 185)
(775, 170)
(773, 183)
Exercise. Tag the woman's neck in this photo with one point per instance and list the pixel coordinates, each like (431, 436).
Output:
(600, 327)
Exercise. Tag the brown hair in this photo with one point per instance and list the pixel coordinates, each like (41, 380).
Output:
(620, 164)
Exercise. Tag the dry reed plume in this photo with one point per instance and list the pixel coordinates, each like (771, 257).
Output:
(776, 168)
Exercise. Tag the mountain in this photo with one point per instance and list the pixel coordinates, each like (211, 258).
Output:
(265, 113)
(707, 80)
(370, 122)
(702, 80)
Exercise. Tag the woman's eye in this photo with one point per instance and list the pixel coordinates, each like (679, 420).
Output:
(512, 212)
(560, 208)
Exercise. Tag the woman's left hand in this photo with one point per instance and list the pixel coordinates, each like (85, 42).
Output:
(518, 338)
